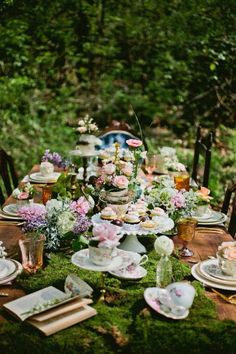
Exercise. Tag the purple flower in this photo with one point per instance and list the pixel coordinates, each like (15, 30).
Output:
(55, 158)
(178, 200)
(34, 217)
(81, 225)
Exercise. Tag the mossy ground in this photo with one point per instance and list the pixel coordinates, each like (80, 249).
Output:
(124, 324)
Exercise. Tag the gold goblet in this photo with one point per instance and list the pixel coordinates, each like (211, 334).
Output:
(185, 232)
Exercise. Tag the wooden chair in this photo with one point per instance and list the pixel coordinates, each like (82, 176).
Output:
(8, 175)
(117, 132)
(226, 205)
(203, 146)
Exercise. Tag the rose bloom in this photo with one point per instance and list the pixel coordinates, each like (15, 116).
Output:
(134, 142)
(127, 169)
(80, 206)
(109, 168)
(230, 252)
(23, 195)
(120, 182)
(107, 235)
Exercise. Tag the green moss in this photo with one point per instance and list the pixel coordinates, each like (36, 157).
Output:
(124, 322)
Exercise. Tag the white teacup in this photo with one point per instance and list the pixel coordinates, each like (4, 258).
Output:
(46, 168)
(101, 256)
(138, 260)
(75, 286)
(228, 266)
(181, 293)
(202, 210)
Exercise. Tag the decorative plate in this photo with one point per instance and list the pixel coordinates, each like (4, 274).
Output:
(215, 219)
(211, 267)
(12, 276)
(39, 178)
(153, 300)
(10, 217)
(197, 275)
(81, 259)
(130, 272)
(12, 209)
(7, 267)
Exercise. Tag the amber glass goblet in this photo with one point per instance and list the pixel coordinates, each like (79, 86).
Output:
(185, 231)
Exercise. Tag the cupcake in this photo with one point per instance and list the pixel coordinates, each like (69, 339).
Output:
(148, 225)
(131, 218)
(157, 212)
(108, 214)
(141, 211)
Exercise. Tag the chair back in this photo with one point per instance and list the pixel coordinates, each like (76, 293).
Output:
(202, 147)
(226, 206)
(8, 175)
(117, 132)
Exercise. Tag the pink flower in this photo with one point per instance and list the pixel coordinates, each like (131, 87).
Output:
(120, 182)
(109, 169)
(230, 252)
(127, 169)
(23, 195)
(80, 206)
(134, 142)
(32, 212)
(107, 235)
(178, 200)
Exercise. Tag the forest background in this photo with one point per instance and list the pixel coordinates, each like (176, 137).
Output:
(172, 62)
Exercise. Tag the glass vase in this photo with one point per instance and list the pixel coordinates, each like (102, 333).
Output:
(163, 272)
(32, 253)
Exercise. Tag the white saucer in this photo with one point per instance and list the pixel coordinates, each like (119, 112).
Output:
(39, 178)
(12, 276)
(124, 273)
(81, 259)
(211, 267)
(7, 267)
(152, 299)
(214, 219)
(212, 284)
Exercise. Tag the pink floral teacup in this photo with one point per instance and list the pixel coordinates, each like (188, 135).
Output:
(182, 293)
(101, 256)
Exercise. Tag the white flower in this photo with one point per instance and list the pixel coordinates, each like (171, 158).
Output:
(164, 245)
(93, 127)
(81, 122)
(65, 222)
(53, 206)
(81, 130)
(109, 169)
(3, 252)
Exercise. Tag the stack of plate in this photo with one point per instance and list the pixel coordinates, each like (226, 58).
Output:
(37, 177)
(9, 269)
(10, 212)
(209, 273)
(211, 218)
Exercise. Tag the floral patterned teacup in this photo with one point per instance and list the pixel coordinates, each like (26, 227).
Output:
(101, 256)
(228, 266)
(182, 293)
(137, 261)
(46, 168)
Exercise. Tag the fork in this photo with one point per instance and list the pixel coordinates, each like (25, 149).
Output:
(231, 299)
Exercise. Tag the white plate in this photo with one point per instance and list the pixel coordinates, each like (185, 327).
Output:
(216, 218)
(164, 224)
(81, 259)
(7, 267)
(208, 282)
(125, 273)
(216, 280)
(37, 177)
(211, 268)
(11, 209)
(12, 276)
(152, 299)
(10, 217)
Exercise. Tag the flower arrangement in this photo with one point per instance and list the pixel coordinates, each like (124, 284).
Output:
(119, 167)
(203, 197)
(105, 236)
(55, 158)
(86, 125)
(171, 161)
(60, 221)
(27, 191)
(228, 250)
(176, 203)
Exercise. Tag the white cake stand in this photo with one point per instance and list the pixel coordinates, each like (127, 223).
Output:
(131, 243)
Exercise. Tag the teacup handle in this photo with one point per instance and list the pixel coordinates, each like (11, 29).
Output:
(143, 259)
